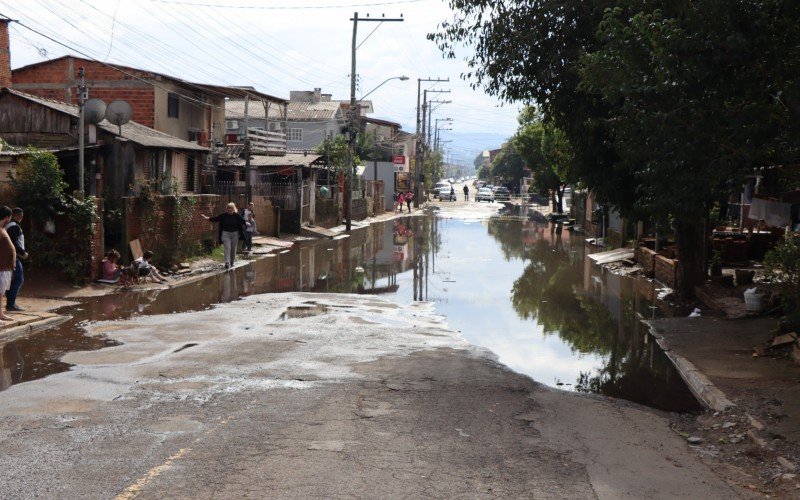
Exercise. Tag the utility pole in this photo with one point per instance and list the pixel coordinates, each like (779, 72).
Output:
(83, 95)
(424, 146)
(351, 173)
(418, 149)
(247, 185)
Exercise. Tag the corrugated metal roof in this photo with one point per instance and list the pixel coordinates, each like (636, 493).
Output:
(234, 110)
(131, 131)
(315, 111)
(289, 160)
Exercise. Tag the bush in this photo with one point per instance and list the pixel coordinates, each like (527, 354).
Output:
(782, 265)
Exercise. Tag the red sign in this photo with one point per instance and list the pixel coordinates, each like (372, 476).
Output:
(399, 159)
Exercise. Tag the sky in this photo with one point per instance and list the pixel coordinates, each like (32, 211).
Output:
(276, 46)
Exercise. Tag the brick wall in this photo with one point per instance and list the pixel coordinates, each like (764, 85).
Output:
(359, 208)
(666, 270)
(646, 258)
(327, 213)
(102, 81)
(156, 226)
(5, 55)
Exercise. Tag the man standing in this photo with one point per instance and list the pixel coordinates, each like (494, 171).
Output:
(466, 193)
(8, 256)
(14, 231)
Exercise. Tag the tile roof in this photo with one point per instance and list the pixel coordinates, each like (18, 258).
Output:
(132, 131)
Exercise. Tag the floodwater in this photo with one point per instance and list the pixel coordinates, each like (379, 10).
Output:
(516, 287)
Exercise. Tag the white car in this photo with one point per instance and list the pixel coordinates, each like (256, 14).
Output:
(484, 194)
(446, 193)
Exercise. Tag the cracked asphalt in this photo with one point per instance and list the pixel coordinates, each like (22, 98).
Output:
(359, 398)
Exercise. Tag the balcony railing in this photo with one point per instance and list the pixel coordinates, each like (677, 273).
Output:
(266, 142)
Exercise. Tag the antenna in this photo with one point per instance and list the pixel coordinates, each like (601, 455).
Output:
(94, 110)
(119, 113)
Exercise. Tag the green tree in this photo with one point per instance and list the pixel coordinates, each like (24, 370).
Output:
(664, 104)
(508, 165)
(337, 150)
(696, 95)
(40, 189)
(547, 154)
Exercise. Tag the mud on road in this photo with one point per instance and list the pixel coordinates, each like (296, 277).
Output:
(315, 395)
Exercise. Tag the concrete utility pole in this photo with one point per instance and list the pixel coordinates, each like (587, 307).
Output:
(418, 174)
(83, 95)
(247, 185)
(422, 136)
(348, 192)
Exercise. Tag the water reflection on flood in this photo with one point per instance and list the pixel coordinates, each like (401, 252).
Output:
(522, 289)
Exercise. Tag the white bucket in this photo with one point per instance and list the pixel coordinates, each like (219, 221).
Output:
(753, 302)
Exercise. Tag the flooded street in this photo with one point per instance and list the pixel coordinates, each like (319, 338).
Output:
(516, 287)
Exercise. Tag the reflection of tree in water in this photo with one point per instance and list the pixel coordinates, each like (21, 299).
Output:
(632, 369)
(507, 233)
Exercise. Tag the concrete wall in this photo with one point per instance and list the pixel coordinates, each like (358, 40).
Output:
(386, 170)
(314, 133)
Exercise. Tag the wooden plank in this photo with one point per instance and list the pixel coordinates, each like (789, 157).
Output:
(136, 249)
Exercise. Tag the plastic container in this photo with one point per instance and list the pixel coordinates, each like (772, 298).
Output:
(753, 301)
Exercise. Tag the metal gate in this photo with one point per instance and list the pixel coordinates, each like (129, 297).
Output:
(305, 212)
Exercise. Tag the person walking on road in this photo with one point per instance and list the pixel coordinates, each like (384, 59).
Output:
(401, 198)
(231, 227)
(409, 196)
(14, 231)
(466, 193)
(8, 257)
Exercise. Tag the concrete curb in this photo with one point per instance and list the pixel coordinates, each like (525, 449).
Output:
(11, 334)
(700, 385)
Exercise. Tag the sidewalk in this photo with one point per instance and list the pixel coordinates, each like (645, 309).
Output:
(756, 399)
(42, 293)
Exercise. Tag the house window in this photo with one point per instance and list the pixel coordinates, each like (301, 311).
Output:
(295, 134)
(173, 105)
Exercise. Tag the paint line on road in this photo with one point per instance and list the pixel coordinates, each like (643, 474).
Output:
(133, 490)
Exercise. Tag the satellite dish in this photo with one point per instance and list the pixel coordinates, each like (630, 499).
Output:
(94, 110)
(119, 113)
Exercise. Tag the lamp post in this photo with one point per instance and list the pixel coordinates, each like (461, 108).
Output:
(352, 136)
(352, 140)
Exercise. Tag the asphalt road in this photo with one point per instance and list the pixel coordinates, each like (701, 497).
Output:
(325, 396)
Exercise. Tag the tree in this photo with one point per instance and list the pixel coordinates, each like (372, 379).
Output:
(695, 93)
(664, 104)
(337, 151)
(508, 165)
(547, 153)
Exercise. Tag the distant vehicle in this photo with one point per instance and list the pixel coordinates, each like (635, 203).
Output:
(501, 194)
(479, 184)
(441, 184)
(484, 194)
(446, 193)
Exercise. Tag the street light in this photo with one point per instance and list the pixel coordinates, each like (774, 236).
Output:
(352, 140)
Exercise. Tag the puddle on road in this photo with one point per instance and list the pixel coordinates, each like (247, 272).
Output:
(520, 288)
(304, 311)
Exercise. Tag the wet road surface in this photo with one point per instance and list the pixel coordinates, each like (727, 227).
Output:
(516, 287)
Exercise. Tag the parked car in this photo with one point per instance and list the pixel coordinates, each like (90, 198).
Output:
(501, 194)
(484, 194)
(446, 193)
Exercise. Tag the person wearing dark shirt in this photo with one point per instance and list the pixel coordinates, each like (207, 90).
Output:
(231, 225)
(18, 276)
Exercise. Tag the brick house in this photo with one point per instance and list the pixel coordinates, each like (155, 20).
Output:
(190, 111)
